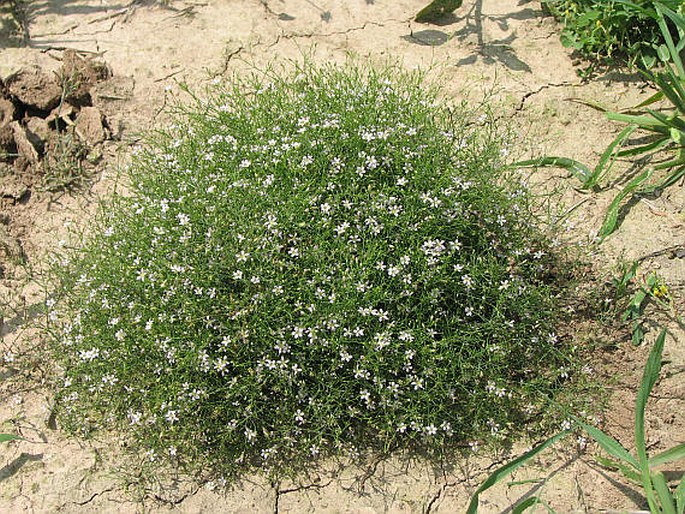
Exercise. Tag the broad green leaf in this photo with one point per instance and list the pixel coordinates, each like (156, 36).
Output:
(576, 168)
(437, 9)
(610, 445)
(500, 474)
(611, 218)
(663, 493)
(663, 53)
(670, 455)
(638, 334)
(9, 437)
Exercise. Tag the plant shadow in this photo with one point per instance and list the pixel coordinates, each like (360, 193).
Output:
(497, 51)
(13, 467)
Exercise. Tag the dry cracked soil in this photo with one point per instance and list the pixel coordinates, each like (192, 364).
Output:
(130, 57)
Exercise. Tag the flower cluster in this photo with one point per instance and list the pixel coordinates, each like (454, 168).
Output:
(312, 264)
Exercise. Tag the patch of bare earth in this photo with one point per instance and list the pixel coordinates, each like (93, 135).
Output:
(120, 61)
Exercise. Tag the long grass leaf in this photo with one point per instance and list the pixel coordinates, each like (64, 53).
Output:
(525, 505)
(500, 474)
(644, 121)
(531, 502)
(679, 495)
(670, 90)
(578, 169)
(649, 101)
(9, 437)
(675, 57)
(663, 493)
(626, 471)
(590, 103)
(611, 218)
(608, 158)
(680, 22)
(649, 378)
(670, 455)
(610, 445)
(646, 148)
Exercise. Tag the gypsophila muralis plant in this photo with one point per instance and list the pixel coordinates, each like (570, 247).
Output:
(308, 264)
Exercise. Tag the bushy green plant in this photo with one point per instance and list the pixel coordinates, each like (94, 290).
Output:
(613, 30)
(309, 263)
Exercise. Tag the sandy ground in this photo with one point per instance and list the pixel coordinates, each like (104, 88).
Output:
(505, 48)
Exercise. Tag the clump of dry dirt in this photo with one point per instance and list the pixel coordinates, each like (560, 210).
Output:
(48, 120)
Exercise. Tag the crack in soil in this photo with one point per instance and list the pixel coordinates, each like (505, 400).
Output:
(530, 94)
(279, 492)
(94, 495)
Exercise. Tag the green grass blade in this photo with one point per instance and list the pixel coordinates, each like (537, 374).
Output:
(670, 89)
(531, 502)
(643, 121)
(680, 22)
(670, 455)
(626, 471)
(649, 378)
(610, 445)
(679, 495)
(663, 493)
(649, 101)
(501, 473)
(9, 437)
(611, 218)
(578, 169)
(608, 158)
(646, 148)
(525, 505)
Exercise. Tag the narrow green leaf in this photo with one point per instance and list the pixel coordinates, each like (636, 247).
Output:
(679, 21)
(649, 378)
(626, 471)
(611, 218)
(608, 158)
(679, 495)
(531, 502)
(668, 87)
(643, 121)
(576, 168)
(501, 473)
(672, 178)
(649, 101)
(670, 455)
(654, 145)
(663, 493)
(610, 445)
(525, 504)
(9, 437)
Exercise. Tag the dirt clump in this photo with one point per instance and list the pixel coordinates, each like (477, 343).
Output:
(42, 112)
